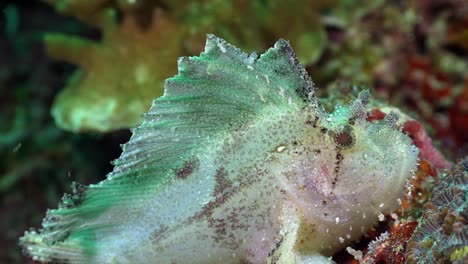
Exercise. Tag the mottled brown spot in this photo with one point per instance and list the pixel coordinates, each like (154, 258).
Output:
(323, 130)
(336, 170)
(188, 168)
(339, 157)
(315, 121)
(209, 208)
(224, 190)
(158, 234)
(222, 181)
(312, 122)
(225, 228)
(219, 226)
(318, 151)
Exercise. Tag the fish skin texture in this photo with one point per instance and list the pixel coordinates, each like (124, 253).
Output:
(236, 163)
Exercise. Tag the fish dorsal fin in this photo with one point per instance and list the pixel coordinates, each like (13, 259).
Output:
(213, 94)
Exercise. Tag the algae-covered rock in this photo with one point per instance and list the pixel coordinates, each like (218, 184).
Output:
(442, 233)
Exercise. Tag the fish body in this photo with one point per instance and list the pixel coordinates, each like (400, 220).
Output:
(236, 163)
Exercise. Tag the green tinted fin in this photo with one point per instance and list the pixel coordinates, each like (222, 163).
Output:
(214, 93)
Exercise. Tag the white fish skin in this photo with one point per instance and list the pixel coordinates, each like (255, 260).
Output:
(236, 163)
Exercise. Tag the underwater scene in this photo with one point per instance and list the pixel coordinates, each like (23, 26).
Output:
(234, 131)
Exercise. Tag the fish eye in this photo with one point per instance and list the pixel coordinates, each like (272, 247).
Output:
(345, 138)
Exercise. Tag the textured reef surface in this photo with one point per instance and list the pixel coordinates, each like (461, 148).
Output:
(439, 235)
(442, 234)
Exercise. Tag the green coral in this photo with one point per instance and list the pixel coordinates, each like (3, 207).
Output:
(111, 89)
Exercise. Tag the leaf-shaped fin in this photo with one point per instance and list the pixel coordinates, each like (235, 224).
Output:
(224, 70)
(221, 90)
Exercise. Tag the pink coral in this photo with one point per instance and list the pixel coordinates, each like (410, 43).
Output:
(424, 143)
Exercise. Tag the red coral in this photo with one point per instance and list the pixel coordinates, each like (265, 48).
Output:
(434, 84)
(393, 248)
(420, 138)
(375, 115)
(459, 115)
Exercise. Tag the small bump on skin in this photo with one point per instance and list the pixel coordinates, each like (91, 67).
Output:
(364, 97)
(392, 120)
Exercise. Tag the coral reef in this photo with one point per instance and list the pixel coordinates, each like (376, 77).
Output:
(442, 233)
(390, 247)
(116, 81)
(411, 62)
(112, 87)
(433, 230)
(421, 186)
